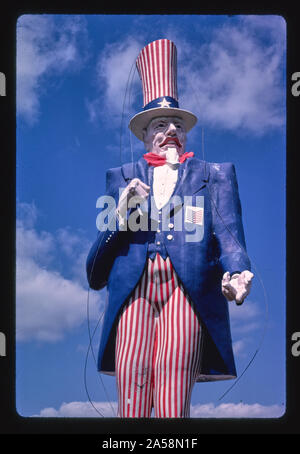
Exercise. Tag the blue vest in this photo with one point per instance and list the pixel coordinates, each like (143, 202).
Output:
(156, 243)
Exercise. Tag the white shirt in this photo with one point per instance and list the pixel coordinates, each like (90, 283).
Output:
(165, 178)
(164, 182)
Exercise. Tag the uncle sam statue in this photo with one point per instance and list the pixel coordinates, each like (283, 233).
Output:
(171, 257)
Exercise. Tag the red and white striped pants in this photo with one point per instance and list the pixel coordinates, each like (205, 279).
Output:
(157, 346)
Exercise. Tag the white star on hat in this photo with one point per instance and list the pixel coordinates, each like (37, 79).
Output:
(164, 103)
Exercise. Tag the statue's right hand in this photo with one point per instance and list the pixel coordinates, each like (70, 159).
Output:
(136, 188)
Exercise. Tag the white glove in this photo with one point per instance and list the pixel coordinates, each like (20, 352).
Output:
(137, 189)
(237, 287)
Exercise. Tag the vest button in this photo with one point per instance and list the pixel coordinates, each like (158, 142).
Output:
(158, 243)
(171, 226)
(170, 237)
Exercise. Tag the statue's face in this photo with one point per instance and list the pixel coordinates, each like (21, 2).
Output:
(164, 132)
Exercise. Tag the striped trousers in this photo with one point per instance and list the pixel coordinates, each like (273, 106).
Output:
(157, 346)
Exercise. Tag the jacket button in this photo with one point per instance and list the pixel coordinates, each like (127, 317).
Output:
(170, 237)
(158, 243)
(171, 226)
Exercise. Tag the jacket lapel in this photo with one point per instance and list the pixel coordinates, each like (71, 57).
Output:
(193, 176)
(142, 170)
(137, 169)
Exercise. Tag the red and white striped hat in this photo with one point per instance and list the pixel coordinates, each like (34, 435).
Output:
(157, 67)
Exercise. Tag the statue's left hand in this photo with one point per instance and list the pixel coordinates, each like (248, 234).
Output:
(237, 287)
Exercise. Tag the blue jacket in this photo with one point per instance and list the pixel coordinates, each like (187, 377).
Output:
(117, 258)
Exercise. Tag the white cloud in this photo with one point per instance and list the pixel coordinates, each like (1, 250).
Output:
(81, 410)
(26, 214)
(209, 410)
(245, 321)
(114, 66)
(117, 81)
(240, 410)
(46, 45)
(49, 304)
(239, 347)
(274, 25)
(235, 81)
(248, 310)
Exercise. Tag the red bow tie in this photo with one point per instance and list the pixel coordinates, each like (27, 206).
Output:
(155, 160)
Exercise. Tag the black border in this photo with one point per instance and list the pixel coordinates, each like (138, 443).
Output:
(10, 421)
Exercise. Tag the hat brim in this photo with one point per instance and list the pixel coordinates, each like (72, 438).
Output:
(141, 120)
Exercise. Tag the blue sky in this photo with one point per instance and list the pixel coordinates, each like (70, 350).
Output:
(72, 117)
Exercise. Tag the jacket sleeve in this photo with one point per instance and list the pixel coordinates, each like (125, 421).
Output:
(105, 249)
(227, 218)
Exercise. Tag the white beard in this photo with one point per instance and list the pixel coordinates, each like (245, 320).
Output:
(172, 156)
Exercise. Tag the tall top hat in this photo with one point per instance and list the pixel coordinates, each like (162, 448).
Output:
(157, 67)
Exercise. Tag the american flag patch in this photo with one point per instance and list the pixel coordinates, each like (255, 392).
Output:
(194, 215)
